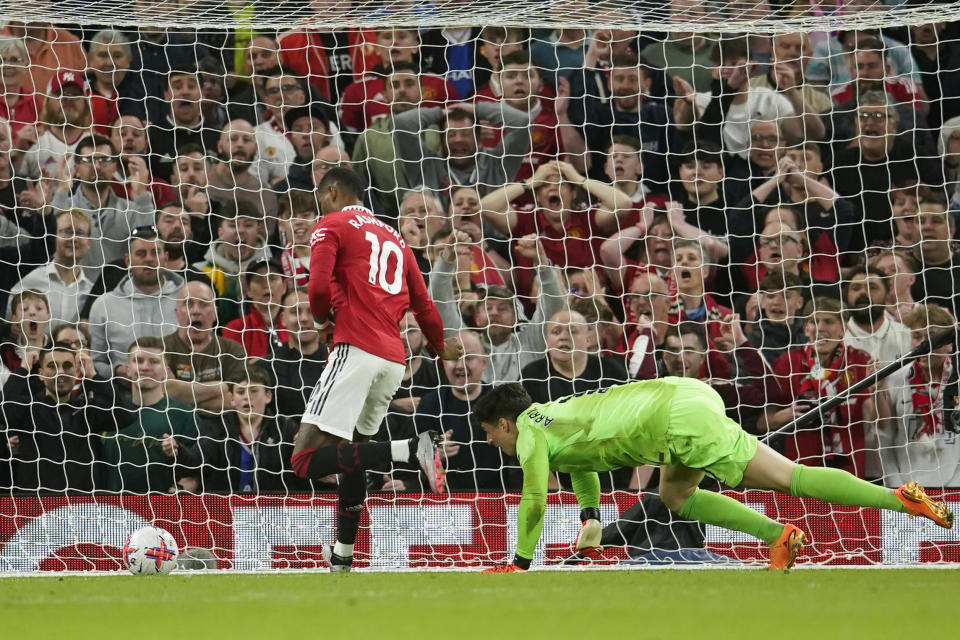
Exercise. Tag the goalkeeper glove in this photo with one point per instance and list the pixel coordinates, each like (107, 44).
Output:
(588, 540)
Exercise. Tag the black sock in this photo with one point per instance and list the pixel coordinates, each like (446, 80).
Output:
(348, 457)
(350, 496)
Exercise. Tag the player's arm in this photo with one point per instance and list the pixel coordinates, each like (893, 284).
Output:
(426, 311)
(324, 244)
(533, 503)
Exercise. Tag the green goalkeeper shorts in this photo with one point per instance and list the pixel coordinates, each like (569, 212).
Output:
(701, 436)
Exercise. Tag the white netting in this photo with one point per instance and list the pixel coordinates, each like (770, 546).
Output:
(597, 193)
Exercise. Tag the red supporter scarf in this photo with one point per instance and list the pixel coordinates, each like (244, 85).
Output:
(927, 400)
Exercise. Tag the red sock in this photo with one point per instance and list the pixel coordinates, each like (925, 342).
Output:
(301, 462)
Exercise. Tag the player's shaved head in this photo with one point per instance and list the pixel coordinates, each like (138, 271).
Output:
(342, 178)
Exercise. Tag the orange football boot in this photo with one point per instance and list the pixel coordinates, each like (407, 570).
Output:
(915, 499)
(784, 552)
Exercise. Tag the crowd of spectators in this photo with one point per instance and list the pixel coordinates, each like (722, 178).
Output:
(772, 215)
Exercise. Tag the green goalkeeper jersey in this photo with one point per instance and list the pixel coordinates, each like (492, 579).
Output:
(621, 426)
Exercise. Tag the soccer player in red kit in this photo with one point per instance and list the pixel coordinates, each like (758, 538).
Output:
(362, 270)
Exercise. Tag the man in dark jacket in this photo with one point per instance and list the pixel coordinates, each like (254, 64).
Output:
(48, 426)
(247, 450)
(778, 328)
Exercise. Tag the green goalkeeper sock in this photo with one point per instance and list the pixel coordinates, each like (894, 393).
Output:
(839, 487)
(717, 509)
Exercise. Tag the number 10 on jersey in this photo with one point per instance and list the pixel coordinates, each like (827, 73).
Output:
(380, 264)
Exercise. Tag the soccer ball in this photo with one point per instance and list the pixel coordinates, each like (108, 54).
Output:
(150, 550)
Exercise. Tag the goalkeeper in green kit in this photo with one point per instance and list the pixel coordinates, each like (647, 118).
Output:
(680, 425)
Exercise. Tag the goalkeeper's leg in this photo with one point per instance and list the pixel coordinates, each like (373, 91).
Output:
(770, 470)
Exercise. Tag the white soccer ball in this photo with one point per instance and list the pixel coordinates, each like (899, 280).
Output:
(150, 550)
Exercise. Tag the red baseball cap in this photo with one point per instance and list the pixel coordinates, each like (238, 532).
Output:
(62, 79)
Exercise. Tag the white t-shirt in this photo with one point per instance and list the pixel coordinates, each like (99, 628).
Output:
(762, 103)
(42, 157)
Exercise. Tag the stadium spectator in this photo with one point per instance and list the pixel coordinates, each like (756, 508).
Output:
(622, 106)
(247, 450)
(64, 119)
(450, 53)
(48, 429)
(871, 73)
(297, 363)
(264, 287)
(199, 360)
(175, 226)
(694, 303)
(830, 62)
(790, 53)
(489, 266)
(63, 280)
(809, 374)
(518, 84)
(329, 157)
(472, 464)
(77, 336)
(374, 153)
(128, 133)
(647, 310)
(510, 344)
(50, 50)
(20, 104)
(625, 169)
(27, 329)
(875, 160)
(921, 443)
(261, 58)
(459, 161)
(182, 124)
(240, 241)
(329, 60)
(189, 179)
(298, 216)
(366, 100)
(777, 327)
(571, 231)
(568, 367)
(213, 92)
(112, 89)
(559, 53)
(421, 374)
(235, 177)
(938, 64)
(948, 146)
(492, 45)
(275, 152)
(684, 54)
(938, 278)
(904, 207)
(726, 112)
(143, 304)
(869, 328)
(132, 459)
(310, 130)
(899, 268)
(829, 220)
(90, 190)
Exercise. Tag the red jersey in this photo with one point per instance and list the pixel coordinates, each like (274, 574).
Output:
(362, 269)
(839, 443)
(302, 51)
(253, 333)
(364, 100)
(25, 113)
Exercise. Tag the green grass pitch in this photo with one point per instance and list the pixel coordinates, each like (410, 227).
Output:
(601, 605)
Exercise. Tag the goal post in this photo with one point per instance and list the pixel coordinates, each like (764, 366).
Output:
(762, 195)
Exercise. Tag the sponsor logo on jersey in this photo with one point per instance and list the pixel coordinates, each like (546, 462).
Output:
(318, 235)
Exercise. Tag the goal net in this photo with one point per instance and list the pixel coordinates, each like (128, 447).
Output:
(760, 195)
